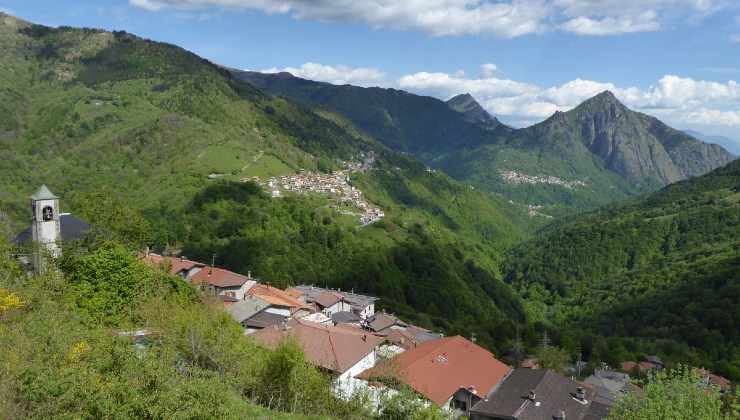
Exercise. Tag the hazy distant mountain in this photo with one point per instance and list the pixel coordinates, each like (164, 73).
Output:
(733, 146)
(592, 155)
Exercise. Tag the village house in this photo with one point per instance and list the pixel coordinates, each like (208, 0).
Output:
(608, 386)
(245, 310)
(383, 323)
(177, 266)
(649, 363)
(710, 379)
(281, 302)
(362, 305)
(411, 336)
(538, 394)
(451, 372)
(344, 351)
(223, 282)
(228, 285)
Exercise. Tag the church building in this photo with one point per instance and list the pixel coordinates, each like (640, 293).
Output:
(49, 228)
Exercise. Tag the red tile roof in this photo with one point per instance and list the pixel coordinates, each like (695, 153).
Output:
(219, 277)
(275, 296)
(176, 264)
(438, 368)
(332, 348)
(328, 299)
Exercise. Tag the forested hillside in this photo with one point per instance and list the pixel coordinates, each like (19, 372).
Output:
(120, 127)
(664, 268)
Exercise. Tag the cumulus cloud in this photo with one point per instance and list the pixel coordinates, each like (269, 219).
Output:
(338, 75)
(677, 100)
(501, 18)
(583, 25)
(488, 69)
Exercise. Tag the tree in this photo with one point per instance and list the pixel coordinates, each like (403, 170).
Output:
(670, 394)
(550, 357)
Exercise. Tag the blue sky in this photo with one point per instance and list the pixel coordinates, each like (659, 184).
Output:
(522, 59)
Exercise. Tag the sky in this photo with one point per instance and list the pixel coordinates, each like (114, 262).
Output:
(521, 59)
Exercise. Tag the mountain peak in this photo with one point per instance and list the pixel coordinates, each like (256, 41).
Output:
(472, 110)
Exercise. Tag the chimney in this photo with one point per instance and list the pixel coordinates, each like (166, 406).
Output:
(560, 415)
(532, 395)
(249, 274)
(364, 337)
(580, 394)
(146, 251)
(182, 258)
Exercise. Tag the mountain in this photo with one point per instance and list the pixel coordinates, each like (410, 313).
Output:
(595, 154)
(660, 273)
(120, 126)
(474, 113)
(405, 122)
(733, 146)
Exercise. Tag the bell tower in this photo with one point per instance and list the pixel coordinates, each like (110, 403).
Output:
(45, 227)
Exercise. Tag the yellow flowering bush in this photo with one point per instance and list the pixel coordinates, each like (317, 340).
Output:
(9, 301)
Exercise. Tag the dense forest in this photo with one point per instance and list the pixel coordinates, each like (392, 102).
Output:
(657, 274)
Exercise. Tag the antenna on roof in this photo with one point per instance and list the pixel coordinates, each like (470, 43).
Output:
(213, 262)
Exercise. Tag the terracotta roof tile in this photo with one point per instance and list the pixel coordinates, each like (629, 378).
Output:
(275, 296)
(176, 264)
(219, 277)
(332, 348)
(438, 368)
(328, 299)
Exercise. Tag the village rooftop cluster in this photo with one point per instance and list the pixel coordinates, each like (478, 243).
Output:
(513, 177)
(341, 333)
(364, 351)
(336, 184)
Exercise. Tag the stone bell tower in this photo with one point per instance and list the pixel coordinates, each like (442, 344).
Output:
(45, 227)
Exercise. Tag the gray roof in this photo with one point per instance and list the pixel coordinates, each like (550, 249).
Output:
(264, 319)
(382, 321)
(345, 317)
(608, 383)
(356, 300)
(553, 392)
(71, 228)
(247, 308)
(43, 193)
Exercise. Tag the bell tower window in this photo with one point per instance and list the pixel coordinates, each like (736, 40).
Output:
(47, 213)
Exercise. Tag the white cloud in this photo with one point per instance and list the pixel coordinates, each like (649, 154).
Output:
(582, 25)
(501, 18)
(735, 39)
(338, 75)
(488, 69)
(7, 11)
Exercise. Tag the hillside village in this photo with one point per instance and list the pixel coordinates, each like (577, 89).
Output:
(365, 350)
(514, 177)
(349, 200)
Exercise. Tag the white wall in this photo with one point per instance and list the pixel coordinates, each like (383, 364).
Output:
(238, 292)
(346, 384)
